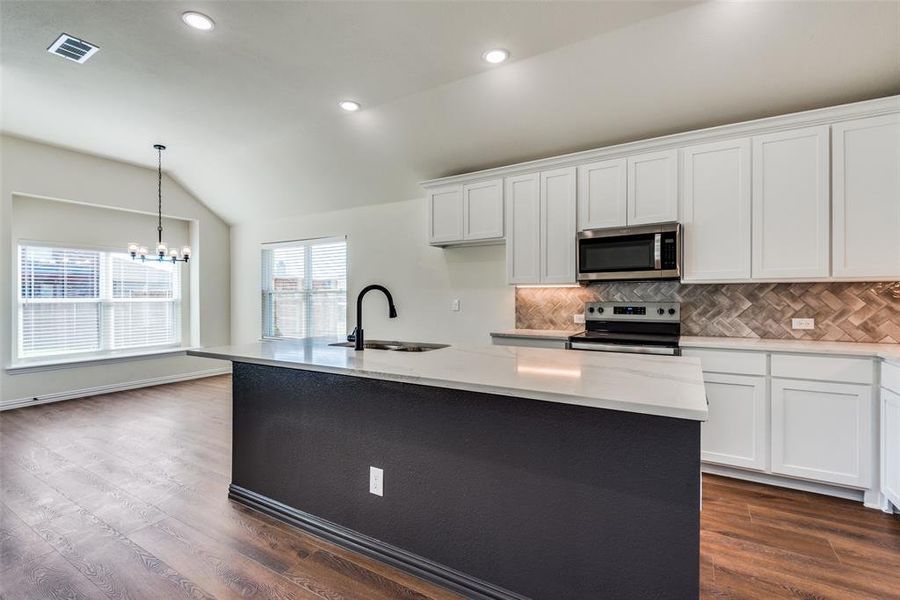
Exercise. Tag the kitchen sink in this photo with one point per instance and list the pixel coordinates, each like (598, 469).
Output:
(394, 346)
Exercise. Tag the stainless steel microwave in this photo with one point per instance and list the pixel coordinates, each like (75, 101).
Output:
(642, 252)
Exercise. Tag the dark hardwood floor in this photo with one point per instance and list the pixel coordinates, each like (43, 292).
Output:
(124, 496)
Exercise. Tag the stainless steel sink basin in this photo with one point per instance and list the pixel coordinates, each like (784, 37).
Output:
(394, 346)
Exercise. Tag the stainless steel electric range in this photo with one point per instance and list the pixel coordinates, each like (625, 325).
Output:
(637, 327)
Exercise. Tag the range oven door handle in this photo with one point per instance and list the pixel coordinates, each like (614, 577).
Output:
(664, 350)
(657, 251)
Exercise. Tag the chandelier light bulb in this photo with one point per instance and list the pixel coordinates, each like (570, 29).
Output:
(143, 251)
(186, 251)
(162, 249)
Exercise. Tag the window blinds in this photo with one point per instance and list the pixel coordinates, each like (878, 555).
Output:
(77, 301)
(304, 289)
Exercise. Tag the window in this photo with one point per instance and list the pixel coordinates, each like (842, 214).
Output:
(78, 301)
(304, 289)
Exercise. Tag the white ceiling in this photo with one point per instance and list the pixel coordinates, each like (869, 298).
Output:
(249, 110)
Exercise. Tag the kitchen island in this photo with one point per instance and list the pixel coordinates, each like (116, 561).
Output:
(507, 472)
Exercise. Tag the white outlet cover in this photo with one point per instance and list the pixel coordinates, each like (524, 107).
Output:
(803, 323)
(454, 306)
(376, 481)
(579, 318)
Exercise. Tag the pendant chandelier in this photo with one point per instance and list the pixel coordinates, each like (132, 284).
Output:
(163, 252)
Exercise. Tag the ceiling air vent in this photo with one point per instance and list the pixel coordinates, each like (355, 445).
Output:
(72, 48)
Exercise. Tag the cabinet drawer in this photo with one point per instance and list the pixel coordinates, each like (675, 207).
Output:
(729, 361)
(890, 377)
(823, 368)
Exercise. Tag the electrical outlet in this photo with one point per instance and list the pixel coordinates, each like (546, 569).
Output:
(578, 318)
(454, 306)
(803, 323)
(376, 481)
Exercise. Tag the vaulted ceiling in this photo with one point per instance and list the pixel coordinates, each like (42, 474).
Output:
(249, 110)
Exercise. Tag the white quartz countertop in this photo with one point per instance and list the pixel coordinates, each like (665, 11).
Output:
(889, 352)
(654, 385)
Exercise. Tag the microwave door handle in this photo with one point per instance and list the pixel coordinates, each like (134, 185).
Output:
(657, 251)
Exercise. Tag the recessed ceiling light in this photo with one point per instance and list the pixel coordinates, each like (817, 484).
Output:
(495, 56)
(198, 21)
(349, 105)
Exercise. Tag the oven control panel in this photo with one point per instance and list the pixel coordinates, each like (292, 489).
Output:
(633, 311)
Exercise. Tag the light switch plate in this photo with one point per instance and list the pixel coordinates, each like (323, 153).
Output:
(454, 306)
(803, 323)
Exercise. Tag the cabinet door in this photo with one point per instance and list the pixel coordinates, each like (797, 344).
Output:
(866, 202)
(821, 431)
(523, 229)
(653, 187)
(483, 210)
(735, 433)
(602, 197)
(790, 204)
(715, 204)
(445, 214)
(890, 449)
(558, 226)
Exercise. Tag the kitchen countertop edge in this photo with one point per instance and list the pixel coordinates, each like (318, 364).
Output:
(688, 413)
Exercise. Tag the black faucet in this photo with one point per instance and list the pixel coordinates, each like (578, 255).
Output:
(357, 336)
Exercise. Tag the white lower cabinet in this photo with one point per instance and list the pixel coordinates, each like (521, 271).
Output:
(890, 440)
(822, 431)
(736, 432)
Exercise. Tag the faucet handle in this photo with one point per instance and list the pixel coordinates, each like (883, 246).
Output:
(351, 337)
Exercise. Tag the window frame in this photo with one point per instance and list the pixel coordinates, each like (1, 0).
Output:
(105, 300)
(308, 243)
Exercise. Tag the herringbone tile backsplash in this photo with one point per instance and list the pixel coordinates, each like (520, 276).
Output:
(846, 312)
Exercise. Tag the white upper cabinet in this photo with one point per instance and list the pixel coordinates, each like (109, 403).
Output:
(602, 196)
(483, 210)
(866, 198)
(473, 212)
(445, 214)
(523, 228)
(790, 204)
(715, 209)
(558, 226)
(653, 187)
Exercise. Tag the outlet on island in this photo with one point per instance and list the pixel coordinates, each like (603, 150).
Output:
(376, 481)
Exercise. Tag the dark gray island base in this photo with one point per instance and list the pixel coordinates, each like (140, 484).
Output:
(488, 495)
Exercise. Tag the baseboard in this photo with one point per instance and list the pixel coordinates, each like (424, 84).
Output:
(113, 387)
(785, 482)
(421, 567)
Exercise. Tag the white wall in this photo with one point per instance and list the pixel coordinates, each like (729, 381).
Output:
(36, 170)
(386, 244)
